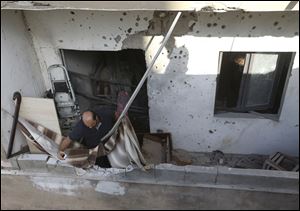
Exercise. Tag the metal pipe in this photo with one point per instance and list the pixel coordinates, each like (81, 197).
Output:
(17, 96)
(143, 78)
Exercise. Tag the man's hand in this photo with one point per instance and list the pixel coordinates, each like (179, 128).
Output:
(61, 155)
(63, 145)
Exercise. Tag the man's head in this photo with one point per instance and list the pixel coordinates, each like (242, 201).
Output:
(239, 60)
(90, 119)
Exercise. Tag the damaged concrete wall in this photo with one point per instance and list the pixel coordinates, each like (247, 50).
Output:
(182, 85)
(20, 71)
(81, 30)
(153, 5)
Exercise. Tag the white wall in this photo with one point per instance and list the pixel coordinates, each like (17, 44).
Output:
(182, 85)
(185, 106)
(20, 71)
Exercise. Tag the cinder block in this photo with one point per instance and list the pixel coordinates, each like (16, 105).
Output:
(200, 175)
(55, 166)
(258, 178)
(169, 173)
(33, 162)
(14, 163)
(137, 175)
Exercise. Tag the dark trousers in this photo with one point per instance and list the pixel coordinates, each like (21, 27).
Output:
(103, 162)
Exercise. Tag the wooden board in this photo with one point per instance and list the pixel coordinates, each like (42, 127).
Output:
(41, 111)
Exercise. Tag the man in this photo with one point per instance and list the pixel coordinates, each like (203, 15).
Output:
(89, 131)
(230, 79)
(236, 78)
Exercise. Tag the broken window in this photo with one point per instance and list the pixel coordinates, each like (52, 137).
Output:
(252, 82)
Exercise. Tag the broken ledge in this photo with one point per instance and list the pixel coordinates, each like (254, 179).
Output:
(167, 174)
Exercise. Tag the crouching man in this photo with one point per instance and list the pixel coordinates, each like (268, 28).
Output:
(93, 125)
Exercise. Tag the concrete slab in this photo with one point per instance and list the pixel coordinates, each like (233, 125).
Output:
(267, 179)
(169, 173)
(54, 165)
(33, 162)
(137, 175)
(62, 193)
(14, 163)
(200, 174)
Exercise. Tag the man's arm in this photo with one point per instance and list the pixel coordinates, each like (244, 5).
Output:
(63, 145)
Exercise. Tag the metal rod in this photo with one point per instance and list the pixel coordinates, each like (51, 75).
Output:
(143, 78)
(17, 96)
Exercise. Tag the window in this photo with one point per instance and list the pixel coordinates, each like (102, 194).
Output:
(252, 82)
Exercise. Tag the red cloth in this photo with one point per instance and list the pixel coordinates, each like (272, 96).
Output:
(122, 100)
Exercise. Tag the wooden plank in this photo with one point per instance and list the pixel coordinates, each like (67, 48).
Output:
(278, 161)
(41, 111)
(274, 165)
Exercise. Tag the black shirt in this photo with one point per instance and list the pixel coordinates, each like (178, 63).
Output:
(91, 137)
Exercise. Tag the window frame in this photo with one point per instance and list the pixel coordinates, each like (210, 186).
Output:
(245, 95)
(253, 111)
